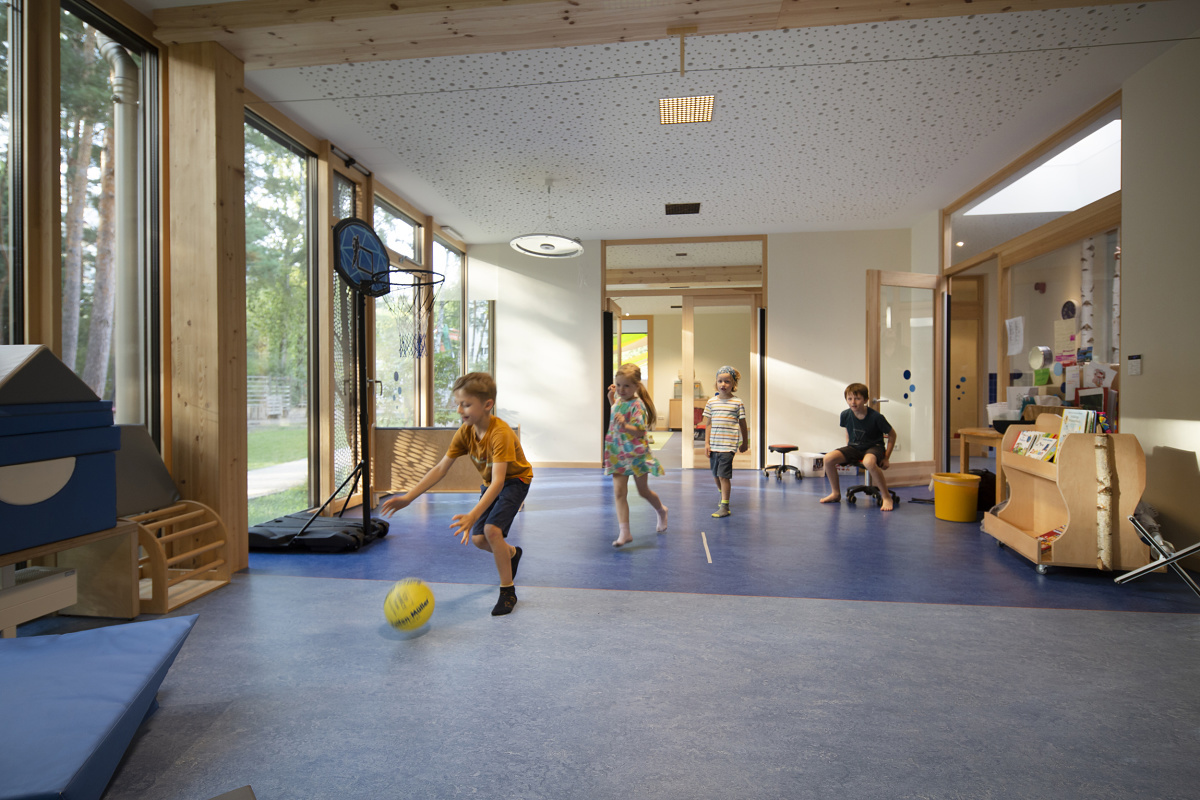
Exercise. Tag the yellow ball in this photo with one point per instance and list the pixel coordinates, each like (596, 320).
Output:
(409, 604)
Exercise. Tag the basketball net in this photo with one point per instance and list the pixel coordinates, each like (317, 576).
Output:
(411, 308)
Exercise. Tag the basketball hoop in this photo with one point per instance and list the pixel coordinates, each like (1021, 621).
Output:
(411, 305)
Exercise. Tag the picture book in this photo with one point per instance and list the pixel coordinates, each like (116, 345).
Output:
(1048, 538)
(1044, 448)
(1077, 420)
(1025, 440)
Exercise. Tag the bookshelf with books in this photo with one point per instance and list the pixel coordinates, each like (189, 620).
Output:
(1085, 496)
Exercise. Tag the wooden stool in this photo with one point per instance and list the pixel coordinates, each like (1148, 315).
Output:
(781, 469)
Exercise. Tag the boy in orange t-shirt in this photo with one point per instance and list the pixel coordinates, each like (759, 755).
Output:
(494, 450)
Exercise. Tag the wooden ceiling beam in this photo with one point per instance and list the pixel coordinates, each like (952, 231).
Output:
(267, 34)
(685, 275)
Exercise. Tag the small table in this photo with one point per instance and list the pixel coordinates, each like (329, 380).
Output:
(989, 437)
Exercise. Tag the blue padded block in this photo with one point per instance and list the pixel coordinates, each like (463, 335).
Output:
(38, 417)
(72, 703)
(44, 446)
(86, 504)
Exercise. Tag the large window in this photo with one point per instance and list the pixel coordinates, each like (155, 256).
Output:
(8, 296)
(400, 332)
(278, 324)
(446, 349)
(397, 230)
(108, 277)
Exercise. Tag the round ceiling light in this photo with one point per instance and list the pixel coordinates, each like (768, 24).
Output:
(547, 245)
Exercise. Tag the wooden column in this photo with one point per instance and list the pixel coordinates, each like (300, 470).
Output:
(688, 381)
(42, 232)
(208, 283)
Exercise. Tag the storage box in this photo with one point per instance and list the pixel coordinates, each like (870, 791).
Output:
(812, 465)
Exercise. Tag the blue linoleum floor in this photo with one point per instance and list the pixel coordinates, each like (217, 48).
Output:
(825, 652)
(779, 542)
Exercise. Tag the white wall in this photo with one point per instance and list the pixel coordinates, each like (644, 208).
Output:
(816, 327)
(1160, 281)
(547, 349)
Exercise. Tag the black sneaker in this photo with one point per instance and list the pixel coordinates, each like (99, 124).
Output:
(516, 559)
(508, 599)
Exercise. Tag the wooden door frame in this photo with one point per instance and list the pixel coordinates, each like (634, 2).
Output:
(981, 340)
(912, 473)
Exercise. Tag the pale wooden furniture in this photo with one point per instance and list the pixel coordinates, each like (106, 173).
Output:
(987, 437)
(675, 413)
(185, 555)
(1073, 494)
(401, 457)
(105, 563)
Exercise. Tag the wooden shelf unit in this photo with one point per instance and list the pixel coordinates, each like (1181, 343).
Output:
(1044, 496)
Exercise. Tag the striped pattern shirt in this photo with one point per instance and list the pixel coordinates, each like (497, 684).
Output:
(724, 429)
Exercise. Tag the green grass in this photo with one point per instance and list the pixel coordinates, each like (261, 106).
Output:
(280, 504)
(276, 444)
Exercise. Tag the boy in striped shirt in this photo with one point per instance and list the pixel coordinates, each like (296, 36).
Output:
(725, 432)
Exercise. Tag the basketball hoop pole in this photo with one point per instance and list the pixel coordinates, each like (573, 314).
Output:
(363, 468)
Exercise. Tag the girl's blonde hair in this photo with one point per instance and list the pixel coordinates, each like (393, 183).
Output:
(634, 373)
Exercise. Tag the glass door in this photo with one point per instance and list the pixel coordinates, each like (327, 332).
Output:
(904, 323)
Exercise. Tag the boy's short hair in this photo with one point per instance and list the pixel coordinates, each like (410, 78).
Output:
(477, 384)
(859, 389)
(732, 373)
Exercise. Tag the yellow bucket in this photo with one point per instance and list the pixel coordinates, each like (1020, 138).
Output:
(956, 496)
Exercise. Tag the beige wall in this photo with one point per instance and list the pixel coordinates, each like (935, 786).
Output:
(816, 327)
(1160, 282)
(668, 339)
(547, 349)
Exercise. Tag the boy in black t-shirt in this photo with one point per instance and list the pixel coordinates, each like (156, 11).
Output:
(866, 431)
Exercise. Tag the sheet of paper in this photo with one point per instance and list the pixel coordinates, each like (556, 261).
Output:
(1071, 379)
(1016, 335)
(1093, 374)
(1064, 341)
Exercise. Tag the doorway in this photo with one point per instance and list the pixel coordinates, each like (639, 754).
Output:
(904, 343)
(700, 300)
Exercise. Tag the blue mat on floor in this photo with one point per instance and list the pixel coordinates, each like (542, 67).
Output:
(70, 704)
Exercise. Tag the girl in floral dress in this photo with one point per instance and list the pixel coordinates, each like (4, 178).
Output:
(626, 451)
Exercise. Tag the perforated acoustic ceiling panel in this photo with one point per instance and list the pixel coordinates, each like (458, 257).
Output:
(812, 129)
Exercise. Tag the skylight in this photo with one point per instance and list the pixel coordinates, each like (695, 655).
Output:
(1083, 173)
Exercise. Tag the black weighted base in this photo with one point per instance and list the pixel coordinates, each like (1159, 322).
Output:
(324, 534)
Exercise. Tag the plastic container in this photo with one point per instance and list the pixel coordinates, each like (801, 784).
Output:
(956, 496)
(812, 465)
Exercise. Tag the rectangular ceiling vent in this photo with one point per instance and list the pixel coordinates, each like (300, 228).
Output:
(683, 208)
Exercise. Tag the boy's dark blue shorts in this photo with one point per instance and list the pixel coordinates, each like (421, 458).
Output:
(721, 464)
(855, 455)
(504, 508)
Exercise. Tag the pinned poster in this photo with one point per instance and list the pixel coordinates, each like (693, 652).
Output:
(1016, 335)
(1064, 342)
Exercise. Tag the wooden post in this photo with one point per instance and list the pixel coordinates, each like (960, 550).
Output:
(208, 283)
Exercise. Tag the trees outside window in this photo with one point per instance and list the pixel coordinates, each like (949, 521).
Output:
(277, 326)
(8, 297)
(108, 275)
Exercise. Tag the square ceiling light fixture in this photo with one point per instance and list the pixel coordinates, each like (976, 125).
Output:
(673, 110)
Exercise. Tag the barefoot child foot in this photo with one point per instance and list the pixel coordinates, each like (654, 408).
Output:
(624, 537)
(662, 520)
(836, 497)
